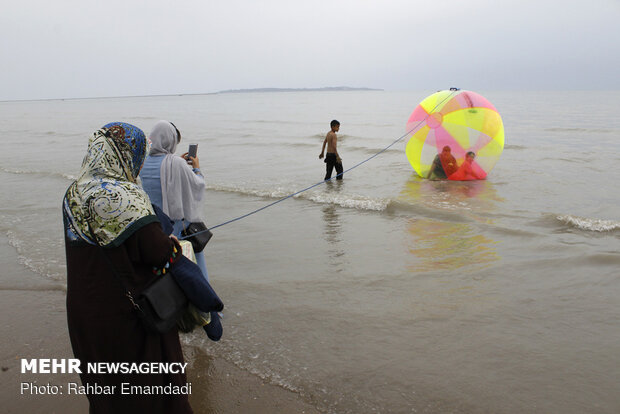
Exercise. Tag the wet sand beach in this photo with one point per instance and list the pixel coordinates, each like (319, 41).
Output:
(33, 324)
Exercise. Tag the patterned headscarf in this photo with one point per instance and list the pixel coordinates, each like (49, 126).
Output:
(105, 205)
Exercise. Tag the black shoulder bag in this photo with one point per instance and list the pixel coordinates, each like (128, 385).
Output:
(160, 305)
(197, 233)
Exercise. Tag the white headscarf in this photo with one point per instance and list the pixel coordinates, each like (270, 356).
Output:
(181, 189)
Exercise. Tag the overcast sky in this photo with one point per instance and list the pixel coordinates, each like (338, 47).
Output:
(87, 48)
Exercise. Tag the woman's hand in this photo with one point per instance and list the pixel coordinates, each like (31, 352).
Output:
(193, 161)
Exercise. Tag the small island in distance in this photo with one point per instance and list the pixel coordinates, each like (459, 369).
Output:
(325, 89)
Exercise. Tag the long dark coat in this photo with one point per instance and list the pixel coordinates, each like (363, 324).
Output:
(104, 328)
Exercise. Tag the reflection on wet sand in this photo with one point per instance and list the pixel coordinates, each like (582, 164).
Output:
(478, 197)
(449, 245)
(333, 230)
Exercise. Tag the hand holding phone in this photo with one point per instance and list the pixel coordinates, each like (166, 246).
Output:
(191, 156)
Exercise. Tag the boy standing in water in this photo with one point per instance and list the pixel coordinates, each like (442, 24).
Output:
(332, 159)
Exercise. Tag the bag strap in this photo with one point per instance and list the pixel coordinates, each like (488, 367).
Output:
(115, 272)
(120, 279)
(185, 229)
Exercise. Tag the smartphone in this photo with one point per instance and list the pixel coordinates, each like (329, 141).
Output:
(193, 149)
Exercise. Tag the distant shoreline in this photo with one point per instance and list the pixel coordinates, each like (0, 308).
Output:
(324, 89)
(228, 91)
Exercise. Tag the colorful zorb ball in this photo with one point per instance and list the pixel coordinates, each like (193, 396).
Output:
(461, 120)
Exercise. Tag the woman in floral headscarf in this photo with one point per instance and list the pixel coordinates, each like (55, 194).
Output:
(105, 208)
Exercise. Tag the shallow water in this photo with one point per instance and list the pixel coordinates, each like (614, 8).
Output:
(384, 292)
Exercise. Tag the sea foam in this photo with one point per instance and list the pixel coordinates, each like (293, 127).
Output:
(589, 224)
(341, 199)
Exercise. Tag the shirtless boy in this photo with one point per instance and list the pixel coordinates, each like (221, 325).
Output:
(332, 159)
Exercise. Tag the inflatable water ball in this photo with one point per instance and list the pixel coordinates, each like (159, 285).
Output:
(448, 125)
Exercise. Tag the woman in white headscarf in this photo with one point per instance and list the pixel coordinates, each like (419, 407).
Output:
(171, 183)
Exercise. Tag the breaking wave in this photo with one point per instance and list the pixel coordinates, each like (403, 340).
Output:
(583, 223)
(341, 199)
(65, 176)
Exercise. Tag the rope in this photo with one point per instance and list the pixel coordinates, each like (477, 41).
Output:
(453, 90)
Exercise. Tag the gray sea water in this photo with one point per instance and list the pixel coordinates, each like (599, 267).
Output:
(384, 292)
